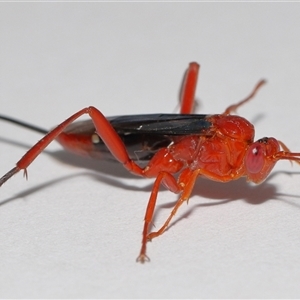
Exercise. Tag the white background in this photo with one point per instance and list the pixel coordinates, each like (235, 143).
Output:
(74, 228)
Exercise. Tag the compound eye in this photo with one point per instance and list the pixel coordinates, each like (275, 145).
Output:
(255, 158)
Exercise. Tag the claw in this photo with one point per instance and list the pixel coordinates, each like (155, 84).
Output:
(142, 258)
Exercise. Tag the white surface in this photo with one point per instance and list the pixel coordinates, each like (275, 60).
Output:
(71, 231)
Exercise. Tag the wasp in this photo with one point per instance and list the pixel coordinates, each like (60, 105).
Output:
(175, 149)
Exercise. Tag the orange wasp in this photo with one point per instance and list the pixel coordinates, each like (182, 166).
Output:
(220, 147)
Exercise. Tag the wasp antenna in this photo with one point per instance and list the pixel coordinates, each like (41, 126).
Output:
(292, 156)
(287, 153)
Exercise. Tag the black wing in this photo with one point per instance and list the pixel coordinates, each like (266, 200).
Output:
(161, 124)
(143, 135)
